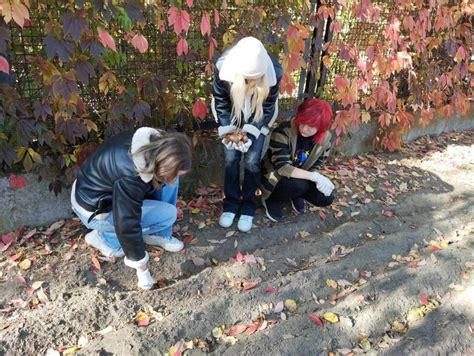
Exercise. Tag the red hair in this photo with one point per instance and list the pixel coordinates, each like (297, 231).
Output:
(316, 113)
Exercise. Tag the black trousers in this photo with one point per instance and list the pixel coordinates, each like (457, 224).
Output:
(292, 188)
(237, 198)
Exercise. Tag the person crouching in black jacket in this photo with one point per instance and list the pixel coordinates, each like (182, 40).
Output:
(126, 192)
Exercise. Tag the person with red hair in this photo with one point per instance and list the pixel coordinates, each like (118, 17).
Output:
(296, 151)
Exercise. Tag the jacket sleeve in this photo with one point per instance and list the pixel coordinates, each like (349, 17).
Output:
(326, 151)
(222, 104)
(280, 153)
(128, 195)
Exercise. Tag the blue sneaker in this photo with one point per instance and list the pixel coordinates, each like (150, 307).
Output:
(245, 223)
(93, 239)
(227, 219)
(169, 243)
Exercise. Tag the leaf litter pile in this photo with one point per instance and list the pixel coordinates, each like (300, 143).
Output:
(366, 274)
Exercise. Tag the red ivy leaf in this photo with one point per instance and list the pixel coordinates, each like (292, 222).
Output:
(212, 47)
(4, 66)
(17, 182)
(239, 257)
(179, 19)
(216, 17)
(182, 47)
(206, 24)
(140, 43)
(106, 39)
(189, 3)
(199, 109)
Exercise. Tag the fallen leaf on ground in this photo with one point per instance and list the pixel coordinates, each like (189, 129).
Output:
(237, 329)
(6, 239)
(315, 319)
(229, 234)
(218, 331)
(239, 257)
(279, 307)
(432, 248)
(54, 227)
(198, 261)
(37, 285)
(250, 258)
(249, 285)
(399, 327)
(303, 234)
(43, 298)
(424, 299)
(269, 290)
(229, 339)
(331, 283)
(220, 242)
(387, 213)
(96, 263)
(290, 304)
(369, 188)
(331, 317)
(142, 319)
(72, 350)
(25, 264)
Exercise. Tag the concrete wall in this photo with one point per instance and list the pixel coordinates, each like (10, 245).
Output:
(32, 205)
(35, 205)
(360, 140)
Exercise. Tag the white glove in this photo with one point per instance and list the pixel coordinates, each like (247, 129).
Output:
(323, 184)
(230, 145)
(145, 280)
(244, 147)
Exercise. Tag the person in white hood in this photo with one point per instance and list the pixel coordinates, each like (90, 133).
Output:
(245, 98)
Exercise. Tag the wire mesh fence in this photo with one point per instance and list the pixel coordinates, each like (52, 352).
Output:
(160, 60)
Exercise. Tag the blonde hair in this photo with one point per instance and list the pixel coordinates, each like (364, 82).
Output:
(166, 155)
(240, 89)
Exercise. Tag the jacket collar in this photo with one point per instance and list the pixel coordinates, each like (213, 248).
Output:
(140, 138)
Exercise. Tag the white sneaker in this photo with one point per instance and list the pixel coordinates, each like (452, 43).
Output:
(245, 223)
(226, 220)
(169, 243)
(93, 239)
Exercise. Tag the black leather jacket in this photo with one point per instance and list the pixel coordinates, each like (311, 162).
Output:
(108, 182)
(223, 102)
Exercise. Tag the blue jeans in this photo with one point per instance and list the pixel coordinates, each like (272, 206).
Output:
(158, 216)
(236, 198)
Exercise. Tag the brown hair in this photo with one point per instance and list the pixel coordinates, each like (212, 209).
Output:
(166, 155)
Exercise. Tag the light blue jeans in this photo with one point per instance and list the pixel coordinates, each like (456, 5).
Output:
(158, 216)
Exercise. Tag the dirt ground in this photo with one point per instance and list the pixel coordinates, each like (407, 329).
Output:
(388, 269)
